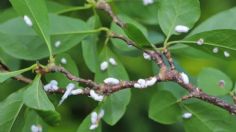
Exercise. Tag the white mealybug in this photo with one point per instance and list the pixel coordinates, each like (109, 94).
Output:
(77, 91)
(112, 61)
(226, 54)
(63, 60)
(200, 41)
(95, 96)
(185, 78)
(95, 119)
(181, 29)
(69, 88)
(146, 56)
(104, 65)
(111, 81)
(215, 50)
(57, 44)
(147, 2)
(187, 115)
(151, 81)
(36, 128)
(52, 86)
(28, 21)
(141, 83)
(221, 83)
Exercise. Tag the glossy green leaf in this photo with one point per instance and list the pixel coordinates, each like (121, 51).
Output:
(84, 126)
(136, 35)
(218, 21)
(164, 108)
(208, 118)
(36, 98)
(22, 37)
(6, 75)
(70, 66)
(177, 12)
(214, 82)
(9, 61)
(10, 109)
(37, 11)
(115, 104)
(223, 40)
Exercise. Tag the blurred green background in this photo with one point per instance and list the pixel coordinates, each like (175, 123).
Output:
(75, 109)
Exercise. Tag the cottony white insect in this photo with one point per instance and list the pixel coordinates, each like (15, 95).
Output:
(95, 96)
(95, 118)
(141, 83)
(36, 128)
(147, 2)
(215, 50)
(77, 91)
(112, 61)
(104, 65)
(52, 86)
(28, 21)
(146, 56)
(200, 41)
(151, 81)
(69, 88)
(187, 115)
(57, 44)
(184, 78)
(226, 54)
(63, 60)
(111, 81)
(181, 29)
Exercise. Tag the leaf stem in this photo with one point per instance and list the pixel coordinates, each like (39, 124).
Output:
(84, 32)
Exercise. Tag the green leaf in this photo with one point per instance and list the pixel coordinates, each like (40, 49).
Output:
(115, 104)
(214, 82)
(84, 126)
(136, 35)
(224, 40)
(11, 62)
(36, 98)
(37, 11)
(10, 109)
(89, 45)
(22, 37)
(177, 12)
(6, 75)
(70, 66)
(52, 118)
(208, 118)
(164, 108)
(218, 22)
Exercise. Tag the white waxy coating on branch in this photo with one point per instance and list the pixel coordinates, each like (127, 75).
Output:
(187, 115)
(226, 54)
(96, 96)
(69, 89)
(104, 65)
(77, 91)
(146, 56)
(185, 78)
(200, 41)
(63, 61)
(181, 29)
(95, 119)
(36, 128)
(147, 2)
(151, 81)
(215, 50)
(142, 83)
(112, 61)
(57, 44)
(111, 81)
(52, 86)
(28, 21)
